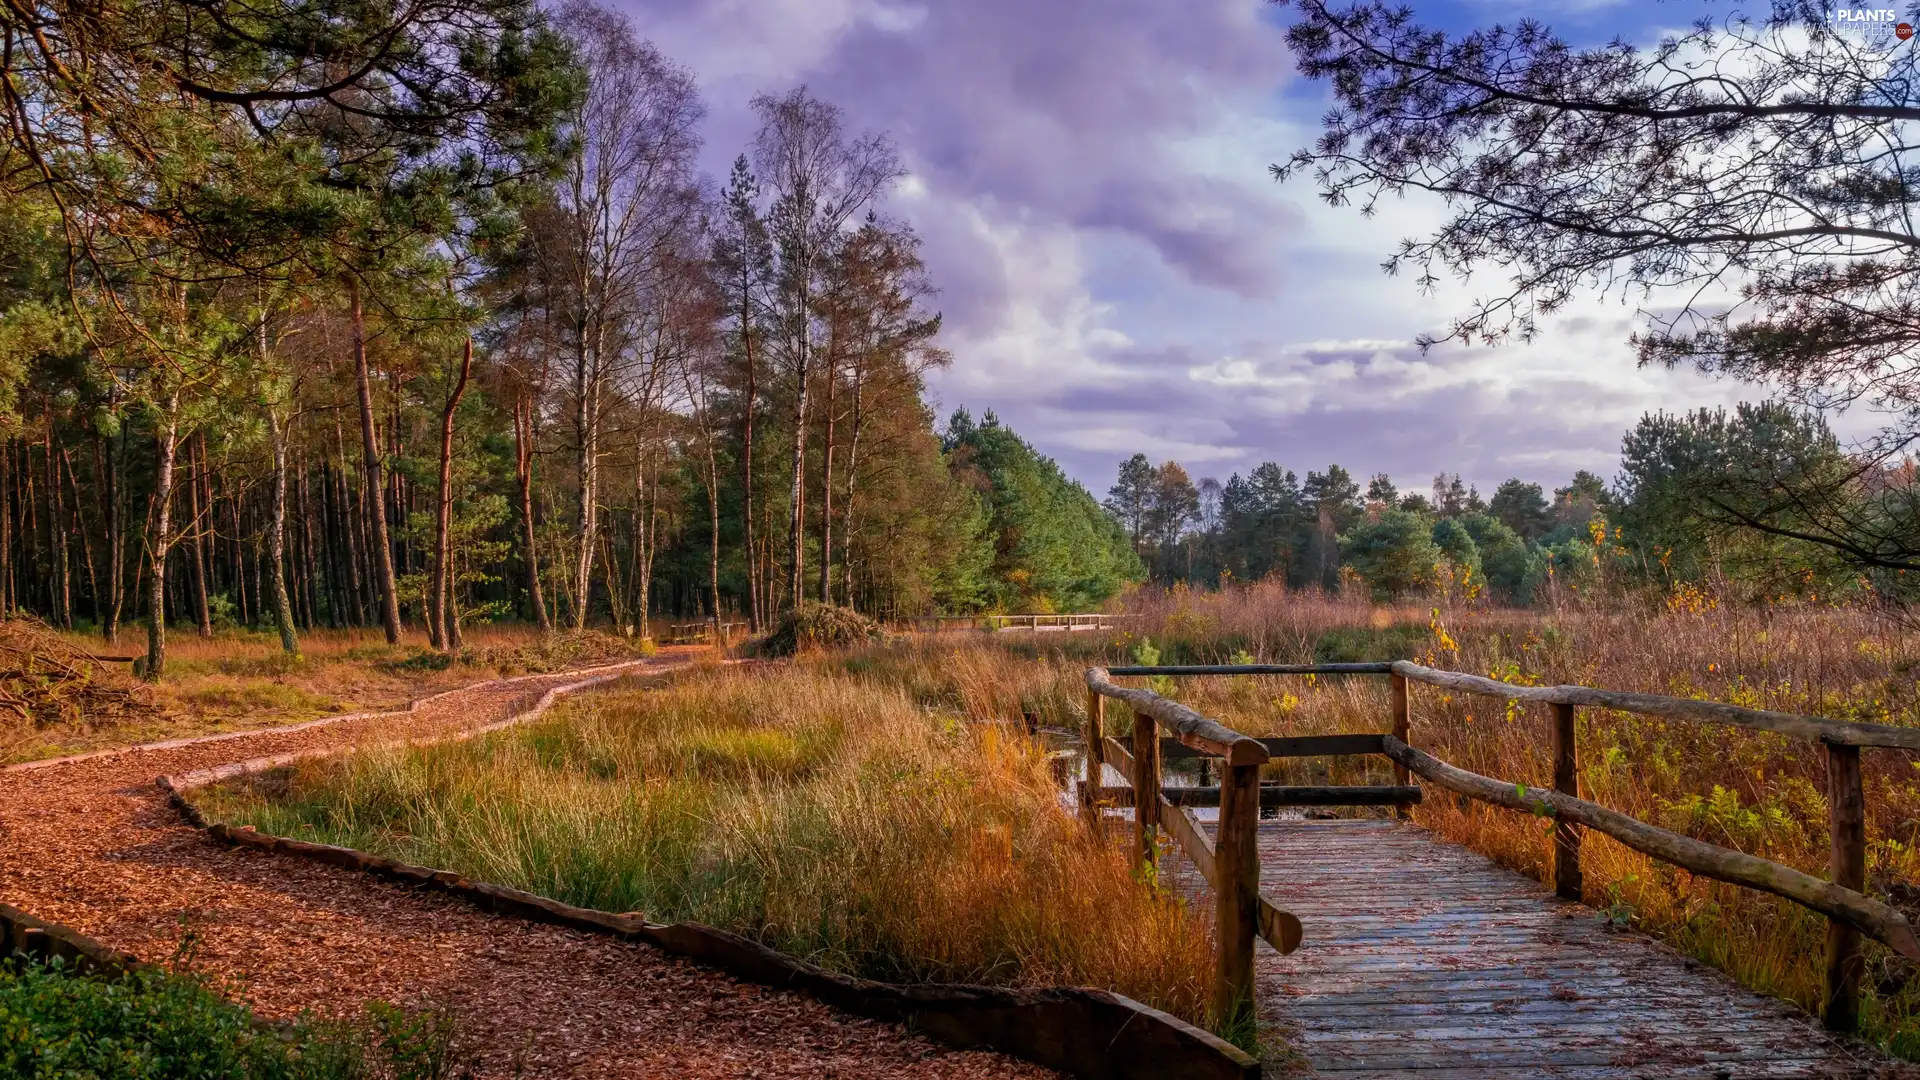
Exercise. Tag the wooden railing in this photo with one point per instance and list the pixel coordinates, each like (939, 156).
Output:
(994, 623)
(698, 633)
(1849, 911)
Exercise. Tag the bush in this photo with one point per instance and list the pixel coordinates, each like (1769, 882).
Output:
(1364, 644)
(818, 626)
(155, 1025)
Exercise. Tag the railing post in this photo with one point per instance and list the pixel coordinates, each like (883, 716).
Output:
(1096, 759)
(1236, 890)
(1847, 820)
(1566, 781)
(1146, 785)
(1402, 730)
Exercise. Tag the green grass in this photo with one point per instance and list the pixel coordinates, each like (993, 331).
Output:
(156, 1025)
(234, 694)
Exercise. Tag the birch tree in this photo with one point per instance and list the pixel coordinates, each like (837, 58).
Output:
(627, 194)
(820, 181)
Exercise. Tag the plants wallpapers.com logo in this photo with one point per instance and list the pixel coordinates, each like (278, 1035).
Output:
(1871, 22)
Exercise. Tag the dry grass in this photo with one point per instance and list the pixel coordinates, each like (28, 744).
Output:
(239, 680)
(881, 784)
(828, 815)
(1756, 792)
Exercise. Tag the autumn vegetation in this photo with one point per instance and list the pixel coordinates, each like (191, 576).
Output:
(359, 355)
(870, 812)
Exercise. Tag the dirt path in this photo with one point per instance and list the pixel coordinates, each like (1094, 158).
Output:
(92, 844)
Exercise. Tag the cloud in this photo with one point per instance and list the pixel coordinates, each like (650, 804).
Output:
(1119, 274)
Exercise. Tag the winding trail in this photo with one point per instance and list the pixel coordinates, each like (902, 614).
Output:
(91, 843)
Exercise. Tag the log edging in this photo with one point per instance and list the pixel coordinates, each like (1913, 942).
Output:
(23, 935)
(1087, 1033)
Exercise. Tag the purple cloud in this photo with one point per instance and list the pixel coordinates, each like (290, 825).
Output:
(1116, 270)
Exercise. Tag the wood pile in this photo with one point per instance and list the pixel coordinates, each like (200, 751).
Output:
(46, 679)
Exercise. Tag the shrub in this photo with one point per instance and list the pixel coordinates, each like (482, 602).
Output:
(156, 1025)
(818, 626)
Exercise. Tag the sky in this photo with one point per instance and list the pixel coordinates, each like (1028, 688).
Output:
(1118, 273)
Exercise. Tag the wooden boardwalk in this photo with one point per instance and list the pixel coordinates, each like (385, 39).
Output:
(1426, 961)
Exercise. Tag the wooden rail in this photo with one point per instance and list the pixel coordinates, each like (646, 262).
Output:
(1230, 863)
(696, 633)
(1279, 795)
(1003, 623)
(1841, 898)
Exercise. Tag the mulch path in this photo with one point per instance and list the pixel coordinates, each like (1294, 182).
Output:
(93, 844)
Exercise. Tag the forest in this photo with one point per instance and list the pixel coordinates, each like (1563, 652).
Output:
(475, 339)
(1761, 504)
(471, 337)
(329, 328)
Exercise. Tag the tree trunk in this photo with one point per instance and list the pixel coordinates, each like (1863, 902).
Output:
(797, 518)
(113, 460)
(57, 533)
(6, 529)
(197, 457)
(383, 552)
(81, 533)
(645, 509)
(330, 535)
(277, 535)
(746, 466)
(826, 488)
(30, 528)
(439, 624)
(713, 522)
(309, 562)
(246, 607)
(347, 531)
(586, 429)
(853, 476)
(165, 443)
(523, 453)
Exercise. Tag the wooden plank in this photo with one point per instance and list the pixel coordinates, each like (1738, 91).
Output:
(1291, 746)
(1812, 728)
(1566, 781)
(1882, 922)
(1366, 667)
(1095, 739)
(1402, 730)
(1146, 778)
(1193, 842)
(1278, 926)
(1456, 968)
(1236, 861)
(1282, 795)
(1188, 726)
(1796, 1069)
(1847, 821)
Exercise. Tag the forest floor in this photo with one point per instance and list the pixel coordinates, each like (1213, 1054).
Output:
(242, 680)
(93, 844)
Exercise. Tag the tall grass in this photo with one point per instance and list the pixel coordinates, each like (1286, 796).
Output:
(831, 816)
(1753, 791)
